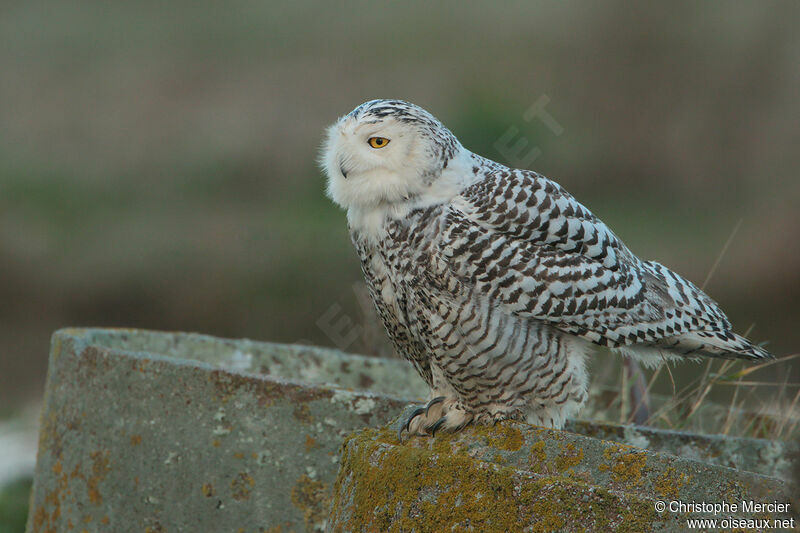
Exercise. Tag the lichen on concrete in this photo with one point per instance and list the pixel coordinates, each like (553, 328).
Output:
(570, 457)
(670, 483)
(512, 475)
(312, 497)
(422, 486)
(625, 463)
(768, 457)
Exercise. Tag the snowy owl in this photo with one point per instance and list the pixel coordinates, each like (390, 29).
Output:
(495, 282)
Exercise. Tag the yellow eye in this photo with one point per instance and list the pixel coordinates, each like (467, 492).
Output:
(378, 142)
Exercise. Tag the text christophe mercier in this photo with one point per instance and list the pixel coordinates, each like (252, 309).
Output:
(745, 506)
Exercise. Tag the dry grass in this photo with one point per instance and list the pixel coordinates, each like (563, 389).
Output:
(755, 408)
(763, 408)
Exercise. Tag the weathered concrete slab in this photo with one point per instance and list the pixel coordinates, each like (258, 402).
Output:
(171, 431)
(771, 458)
(307, 364)
(135, 441)
(396, 378)
(618, 467)
(385, 487)
(515, 477)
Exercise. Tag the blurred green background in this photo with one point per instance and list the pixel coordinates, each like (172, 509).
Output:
(158, 160)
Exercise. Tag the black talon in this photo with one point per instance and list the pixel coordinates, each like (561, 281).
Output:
(438, 399)
(414, 414)
(433, 428)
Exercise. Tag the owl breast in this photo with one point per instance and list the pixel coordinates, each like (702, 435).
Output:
(460, 341)
(386, 275)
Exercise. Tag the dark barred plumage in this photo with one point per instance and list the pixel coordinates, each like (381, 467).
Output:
(494, 282)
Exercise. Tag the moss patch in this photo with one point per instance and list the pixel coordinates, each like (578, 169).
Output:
(502, 436)
(386, 487)
(538, 457)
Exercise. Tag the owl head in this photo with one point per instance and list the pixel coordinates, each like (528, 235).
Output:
(385, 152)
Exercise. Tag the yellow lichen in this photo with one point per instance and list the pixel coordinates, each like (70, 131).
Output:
(669, 484)
(502, 436)
(626, 466)
(443, 443)
(310, 443)
(423, 486)
(303, 413)
(312, 498)
(569, 458)
(100, 467)
(550, 514)
(241, 486)
(538, 457)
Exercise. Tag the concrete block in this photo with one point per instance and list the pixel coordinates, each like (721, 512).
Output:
(516, 477)
(780, 459)
(134, 438)
(148, 431)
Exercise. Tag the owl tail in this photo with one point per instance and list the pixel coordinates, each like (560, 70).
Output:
(724, 344)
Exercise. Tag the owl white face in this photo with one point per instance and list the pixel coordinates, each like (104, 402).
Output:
(383, 153)
(372, 162)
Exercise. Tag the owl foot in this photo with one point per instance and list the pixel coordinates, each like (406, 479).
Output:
(492, 418)
(440, 414)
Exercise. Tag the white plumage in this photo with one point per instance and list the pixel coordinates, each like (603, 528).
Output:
(494, 282)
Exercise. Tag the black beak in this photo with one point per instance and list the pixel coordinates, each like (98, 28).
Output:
(341, 169)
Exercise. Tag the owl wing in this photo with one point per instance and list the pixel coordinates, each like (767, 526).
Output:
(528, 245)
